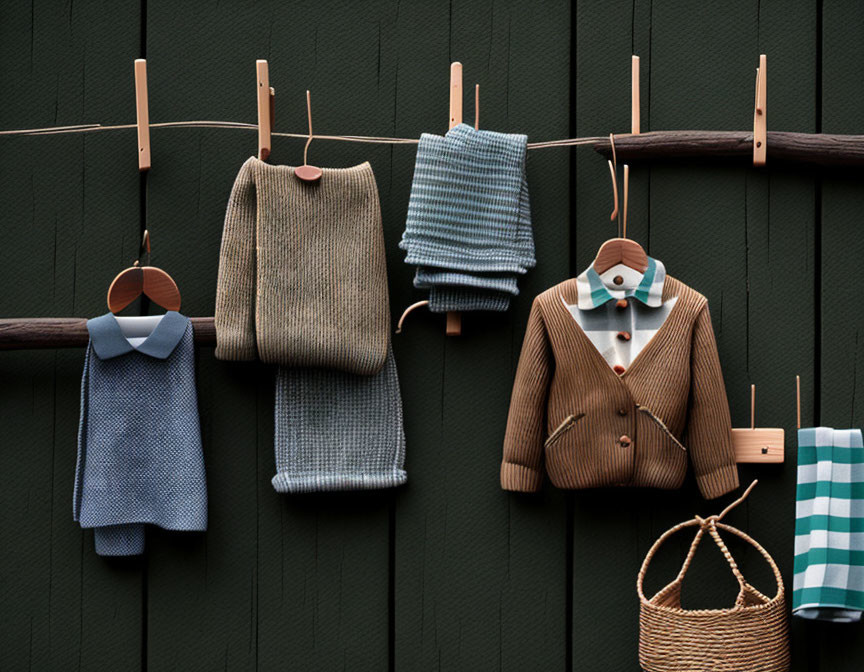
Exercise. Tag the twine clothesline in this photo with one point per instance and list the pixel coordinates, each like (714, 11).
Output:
(91, 128)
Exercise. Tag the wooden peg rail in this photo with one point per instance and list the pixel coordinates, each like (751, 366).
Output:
(821, 149)
(39, 333)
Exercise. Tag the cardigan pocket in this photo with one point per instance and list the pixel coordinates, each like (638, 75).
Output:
(661, 425)
(565, 426)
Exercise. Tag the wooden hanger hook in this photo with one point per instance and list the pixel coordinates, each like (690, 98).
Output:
(306, 172)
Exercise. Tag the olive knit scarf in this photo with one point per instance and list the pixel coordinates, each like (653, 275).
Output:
(302, 275)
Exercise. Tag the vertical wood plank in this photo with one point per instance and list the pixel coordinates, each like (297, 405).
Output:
(604, 522)
(480, 573)
(781, 236)
(735, 233)
(277, 581)
(71, 220)
(324, 559)
(698, 228)
(203, 589)
(841, 339)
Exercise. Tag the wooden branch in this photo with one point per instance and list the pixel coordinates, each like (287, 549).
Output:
(38, 333)
(821, 149)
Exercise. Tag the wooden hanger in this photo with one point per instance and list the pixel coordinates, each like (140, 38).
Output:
(136, 280)
(306, 172)
(755, 445)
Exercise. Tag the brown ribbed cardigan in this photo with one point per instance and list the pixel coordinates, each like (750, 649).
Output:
(594, 428)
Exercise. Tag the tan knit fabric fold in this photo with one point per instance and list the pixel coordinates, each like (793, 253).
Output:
(302, 272)
(590, 427)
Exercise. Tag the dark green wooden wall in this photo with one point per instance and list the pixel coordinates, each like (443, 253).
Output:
(448, 573)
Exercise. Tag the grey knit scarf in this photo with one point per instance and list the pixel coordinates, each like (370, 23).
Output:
(468, 228)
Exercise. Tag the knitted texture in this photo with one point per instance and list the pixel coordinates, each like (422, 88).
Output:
(593, 427)
(468, 228)
(302, 273)
(828, 581)
(139, 439)
(338, 431)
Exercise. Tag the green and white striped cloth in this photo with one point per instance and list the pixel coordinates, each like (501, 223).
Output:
(829, 525)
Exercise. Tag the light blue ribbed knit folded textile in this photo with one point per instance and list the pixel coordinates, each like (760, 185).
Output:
(468, 229)
(338, 431)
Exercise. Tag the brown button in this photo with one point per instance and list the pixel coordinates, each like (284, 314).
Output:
(624, 335)
(621, 303)
(624, 441)
(618, 280)
(622, 411)
(619, 369)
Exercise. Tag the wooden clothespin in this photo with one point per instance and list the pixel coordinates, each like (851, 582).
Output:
(752, 445)
(760, 123)
(454, 320)
(266, 105)
(142, 114)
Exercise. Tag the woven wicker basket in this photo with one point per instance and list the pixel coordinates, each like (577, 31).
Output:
(751, 636)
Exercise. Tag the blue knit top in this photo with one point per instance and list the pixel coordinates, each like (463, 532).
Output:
(139, 439)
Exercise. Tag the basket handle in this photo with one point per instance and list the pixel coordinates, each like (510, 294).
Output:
(710, 525)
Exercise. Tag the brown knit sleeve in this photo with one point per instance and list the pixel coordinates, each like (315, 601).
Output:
(235, 288)
(522, 468)
(709, 433)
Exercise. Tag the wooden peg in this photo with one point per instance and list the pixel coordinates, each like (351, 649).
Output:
(635, 125)
(760, 123)
(798, 399)
(626, 199)
(142, 114)
(264, 94)
(476, 107)
(454, 320)
(762, 445)
(753, 407)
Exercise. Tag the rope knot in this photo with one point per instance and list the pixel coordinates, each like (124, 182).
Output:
(711, 521)
(708, 522)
